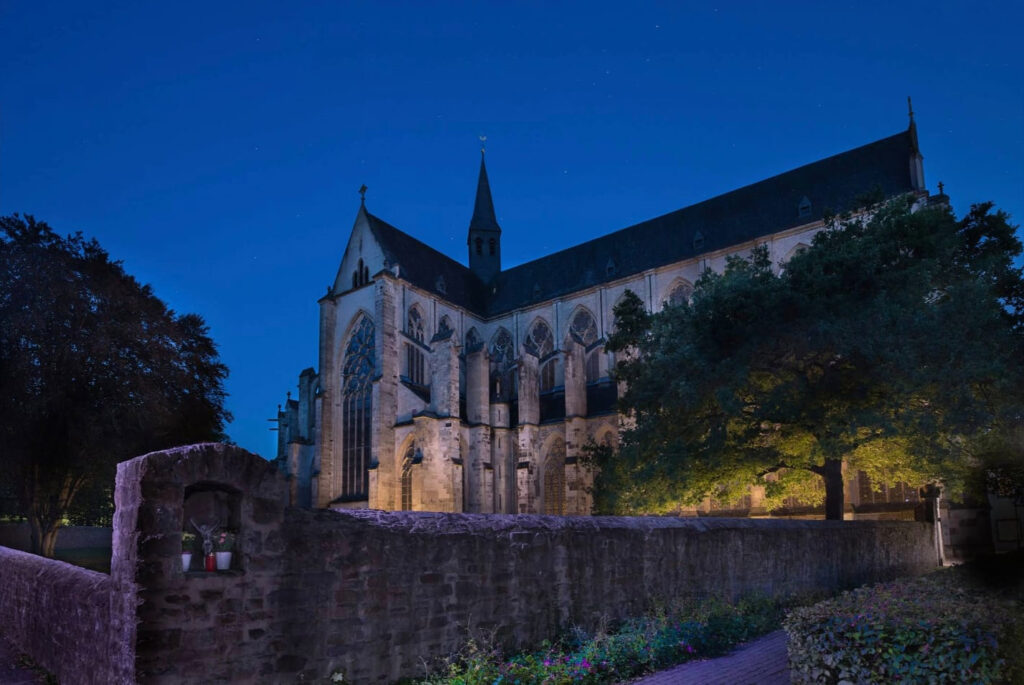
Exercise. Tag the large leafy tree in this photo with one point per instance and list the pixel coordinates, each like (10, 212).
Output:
(893, 344)
(94, 369)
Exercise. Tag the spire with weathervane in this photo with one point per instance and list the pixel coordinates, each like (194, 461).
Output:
(916, 158)
(484, 238)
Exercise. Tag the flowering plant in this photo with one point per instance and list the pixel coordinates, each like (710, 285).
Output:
(188, 542)
(224, 541)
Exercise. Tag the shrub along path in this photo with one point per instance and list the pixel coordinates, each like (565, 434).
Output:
(760, 662)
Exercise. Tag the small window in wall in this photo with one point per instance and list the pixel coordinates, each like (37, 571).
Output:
(492, 245)
(214, 511)
(407, 462)
(804, 208)
(479, 246)
(698, 241)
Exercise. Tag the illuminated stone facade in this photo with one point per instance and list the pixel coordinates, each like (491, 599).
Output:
(442, 387)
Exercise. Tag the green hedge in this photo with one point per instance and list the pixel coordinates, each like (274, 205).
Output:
(685, 631)
(946, 627)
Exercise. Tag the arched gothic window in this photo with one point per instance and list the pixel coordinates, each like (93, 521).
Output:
(357, 410)
(492, 244)
(479, 242)
(473, 341)
(413, 352)
(407, 462)
(554, 479)
(444, 326)
(799, 248)
(583, 329)
(680, 293)
(503, 365)
(541, 343)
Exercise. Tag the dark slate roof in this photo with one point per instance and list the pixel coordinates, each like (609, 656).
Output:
(483, 209)
(831, 185)
(769, 206)
(425, 267)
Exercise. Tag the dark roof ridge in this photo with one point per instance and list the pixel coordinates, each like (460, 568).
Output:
(715, 198)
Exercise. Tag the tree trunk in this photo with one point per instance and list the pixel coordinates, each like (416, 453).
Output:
(43, 535)
(832, 473)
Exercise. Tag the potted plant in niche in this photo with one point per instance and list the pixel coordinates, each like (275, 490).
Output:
(188, 543)
(224, 544)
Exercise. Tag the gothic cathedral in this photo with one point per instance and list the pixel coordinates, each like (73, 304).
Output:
(442, 387)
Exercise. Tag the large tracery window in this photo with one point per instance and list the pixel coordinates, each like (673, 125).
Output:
(357, 410)
(414, 353)
(503, 365)
(541, 343)
(554, 479)
(583, 329)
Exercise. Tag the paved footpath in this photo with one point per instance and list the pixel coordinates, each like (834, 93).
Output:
(761, 662)
(11, 672)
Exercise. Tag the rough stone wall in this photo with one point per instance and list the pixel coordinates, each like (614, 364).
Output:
(60, 615)
(376, 594)
(205, 627)
(328, 483)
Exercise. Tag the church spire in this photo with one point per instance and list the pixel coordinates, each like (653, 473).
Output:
(484, 239)
(483, 211)
(916, 159)
(912, 128)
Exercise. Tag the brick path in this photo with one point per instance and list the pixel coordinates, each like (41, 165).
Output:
(10, 672)
(761, 662)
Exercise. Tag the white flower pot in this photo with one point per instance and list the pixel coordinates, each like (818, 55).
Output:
(223, 561)
(186, 560)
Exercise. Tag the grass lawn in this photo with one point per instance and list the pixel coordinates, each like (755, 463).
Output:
(93, 558)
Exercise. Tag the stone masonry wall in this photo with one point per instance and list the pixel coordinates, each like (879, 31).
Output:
(374, 594)
(60, 615)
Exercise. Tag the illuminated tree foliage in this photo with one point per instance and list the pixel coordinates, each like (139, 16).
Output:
(894, 343)
(94, 369)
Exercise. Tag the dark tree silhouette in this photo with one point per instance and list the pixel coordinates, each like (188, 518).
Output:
(94, 369)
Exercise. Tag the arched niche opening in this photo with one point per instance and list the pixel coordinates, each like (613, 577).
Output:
(209, 503)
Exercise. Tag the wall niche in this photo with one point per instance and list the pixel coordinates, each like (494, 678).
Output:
(219, 505)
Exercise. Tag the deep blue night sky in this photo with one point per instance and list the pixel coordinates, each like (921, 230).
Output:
(218, 151)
